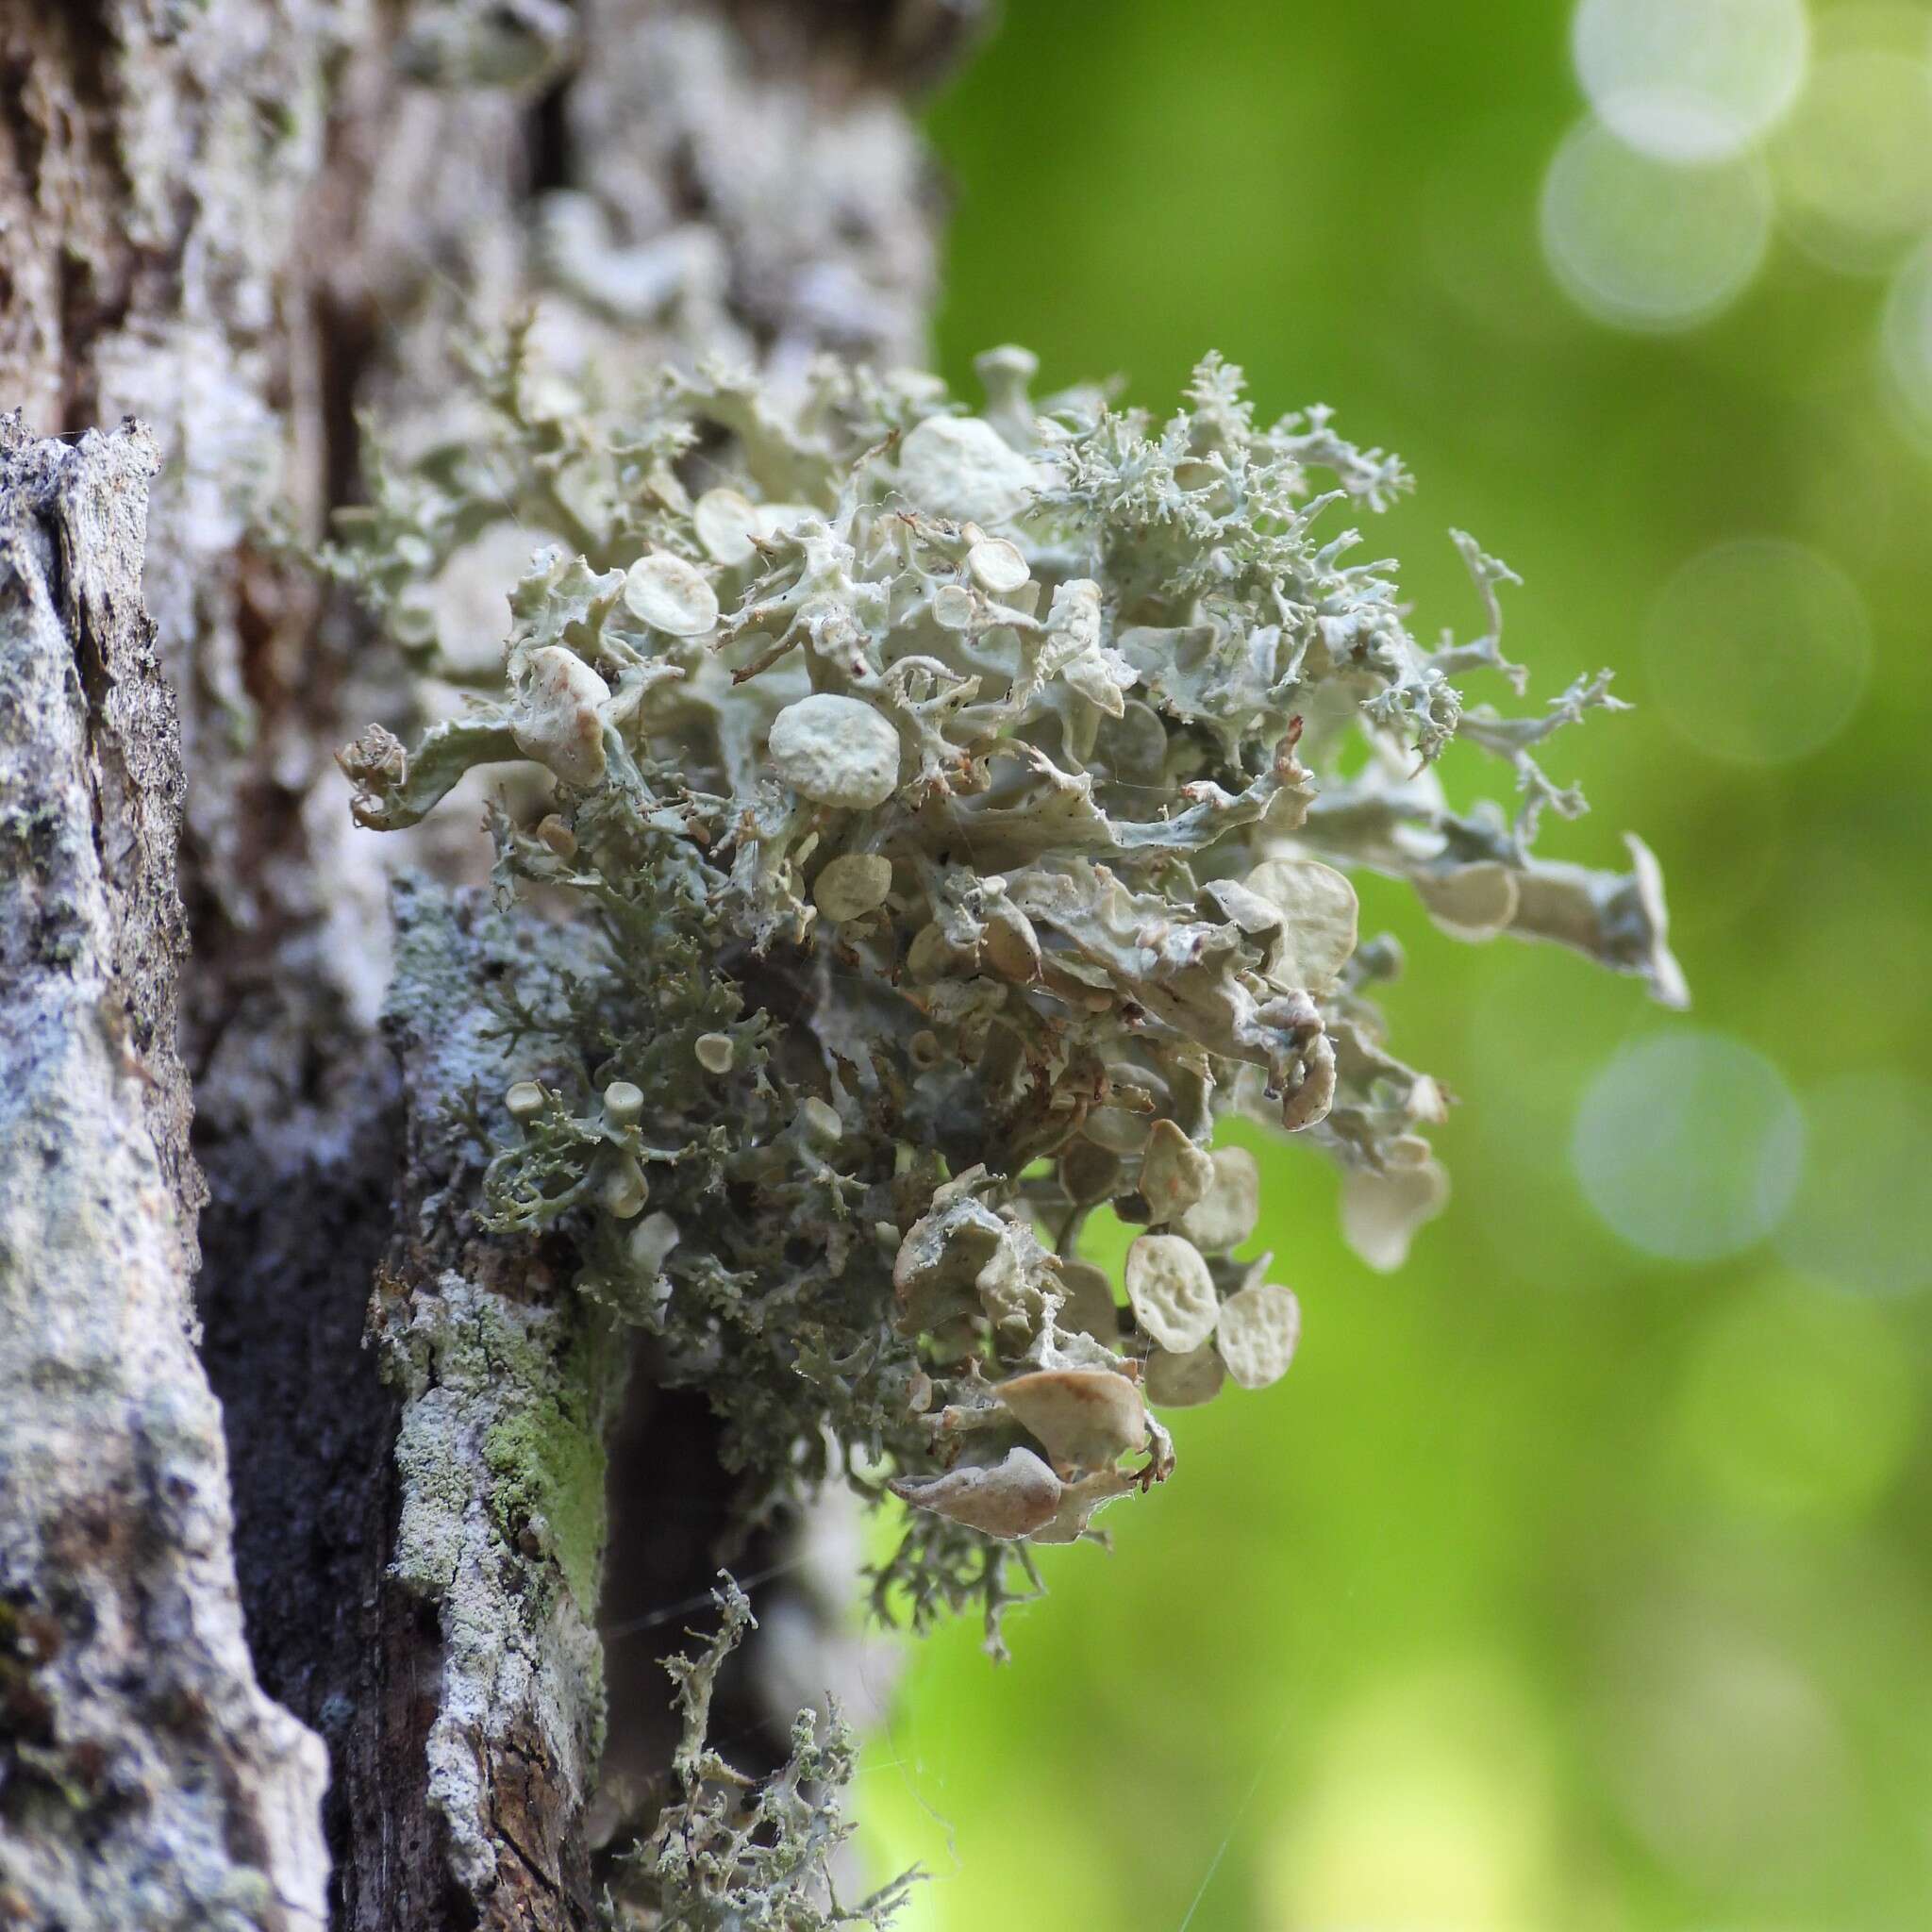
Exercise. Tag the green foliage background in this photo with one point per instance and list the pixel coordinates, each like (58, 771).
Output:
(1559, 1586)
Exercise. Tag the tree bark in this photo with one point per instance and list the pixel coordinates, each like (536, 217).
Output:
(144, 1778)
(243, 222)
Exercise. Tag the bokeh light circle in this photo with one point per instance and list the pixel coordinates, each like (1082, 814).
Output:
(1907, 339)
(1723, 1752)
(1691, 80)
(1853, 163)
(1759, 650)
(1639, 244)
(1688, 1144)
(1862, 1218)
(1429, 1806)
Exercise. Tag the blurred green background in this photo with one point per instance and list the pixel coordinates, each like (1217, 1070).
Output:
(1579, 1575)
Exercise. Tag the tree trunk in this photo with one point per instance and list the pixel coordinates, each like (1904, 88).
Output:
(243, 222)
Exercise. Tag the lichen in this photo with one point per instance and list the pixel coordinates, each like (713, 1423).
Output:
(958, 812)
(730, 1854)
(548, 1461)
(538, 1394)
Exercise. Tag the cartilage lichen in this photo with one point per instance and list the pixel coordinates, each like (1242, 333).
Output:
(959, 811)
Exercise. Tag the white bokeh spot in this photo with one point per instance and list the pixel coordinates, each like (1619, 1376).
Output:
(1853, 163)
(1644, 245)
(1688, 1144)
(1691, 80)
(1906, 340)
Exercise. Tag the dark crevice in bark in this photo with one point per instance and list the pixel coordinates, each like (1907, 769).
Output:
(293, 1237)
(904, 45)
(389, 1850)
(674, 1520)
(290, 1253)
(88, 312)
(552, 161)
(347, 338)
(29, 139)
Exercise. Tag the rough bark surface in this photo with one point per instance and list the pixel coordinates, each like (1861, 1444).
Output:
(508, 1382)
(144, 1779)
(243, 221)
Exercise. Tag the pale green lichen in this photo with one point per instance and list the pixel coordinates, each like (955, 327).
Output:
(952, 805)
(731, 1854)
(533, 1385)
(547, 1458)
